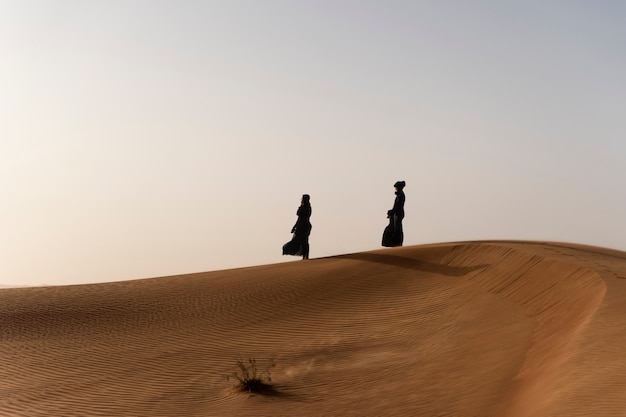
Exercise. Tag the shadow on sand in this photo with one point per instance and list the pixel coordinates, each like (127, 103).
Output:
(415, 264)
(276, 392)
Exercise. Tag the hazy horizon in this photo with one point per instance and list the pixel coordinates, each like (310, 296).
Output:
(142, 139)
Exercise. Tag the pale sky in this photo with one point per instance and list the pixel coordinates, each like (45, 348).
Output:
(151, 138)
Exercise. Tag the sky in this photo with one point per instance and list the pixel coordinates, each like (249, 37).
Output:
(149, 138)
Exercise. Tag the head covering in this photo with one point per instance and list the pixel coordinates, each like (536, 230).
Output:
(306, 198)
(399, 184)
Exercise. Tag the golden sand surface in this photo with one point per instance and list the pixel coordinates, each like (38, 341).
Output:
(460, 329)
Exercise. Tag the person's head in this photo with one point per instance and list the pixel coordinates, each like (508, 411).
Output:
(399, 185)
(306, 198)
(389, 213)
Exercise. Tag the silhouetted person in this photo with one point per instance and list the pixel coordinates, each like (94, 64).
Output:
(388, 233)
(299, 244)
(397, 214)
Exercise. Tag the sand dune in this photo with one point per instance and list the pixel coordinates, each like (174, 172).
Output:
(460, 329)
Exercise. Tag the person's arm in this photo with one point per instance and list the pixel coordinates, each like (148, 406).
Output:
(295, 226)
(398, 204)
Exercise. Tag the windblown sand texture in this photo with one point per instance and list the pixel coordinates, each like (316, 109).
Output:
(463, 329)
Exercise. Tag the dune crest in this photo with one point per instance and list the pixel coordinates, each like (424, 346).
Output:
(459, 329)
(560, 296)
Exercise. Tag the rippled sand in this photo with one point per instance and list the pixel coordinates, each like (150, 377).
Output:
(460, 329)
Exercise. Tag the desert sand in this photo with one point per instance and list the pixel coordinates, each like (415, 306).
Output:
(460, 329)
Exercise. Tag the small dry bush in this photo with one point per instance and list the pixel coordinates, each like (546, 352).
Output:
(251, 379)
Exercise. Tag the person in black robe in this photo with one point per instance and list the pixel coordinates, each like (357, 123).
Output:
(397, 215)
(299, 244)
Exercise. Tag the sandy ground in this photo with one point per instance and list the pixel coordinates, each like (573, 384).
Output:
(460, 329)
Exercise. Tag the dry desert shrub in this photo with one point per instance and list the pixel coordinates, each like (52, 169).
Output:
(252, 380)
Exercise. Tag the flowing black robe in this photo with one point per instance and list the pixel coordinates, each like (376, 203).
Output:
(397, 214)
(299, 244)
(388, 232)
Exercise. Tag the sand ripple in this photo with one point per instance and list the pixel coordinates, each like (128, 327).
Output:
(465, 329)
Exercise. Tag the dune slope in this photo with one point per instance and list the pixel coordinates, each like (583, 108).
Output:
(460, 329)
